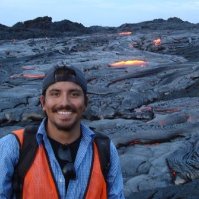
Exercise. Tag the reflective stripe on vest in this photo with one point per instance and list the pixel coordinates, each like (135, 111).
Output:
(39, 181)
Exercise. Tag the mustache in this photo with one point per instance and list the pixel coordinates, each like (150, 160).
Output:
(64, 108)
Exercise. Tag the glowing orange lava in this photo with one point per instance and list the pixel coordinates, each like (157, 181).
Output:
(34, 76)
(129, 63)
(125, 33)
(157, 42)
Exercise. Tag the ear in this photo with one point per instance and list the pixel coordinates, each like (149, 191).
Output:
(42, 101)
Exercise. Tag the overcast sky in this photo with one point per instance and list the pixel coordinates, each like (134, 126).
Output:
(98, 12)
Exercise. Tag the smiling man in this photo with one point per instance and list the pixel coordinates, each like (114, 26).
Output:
(64, 104)
(67, 160)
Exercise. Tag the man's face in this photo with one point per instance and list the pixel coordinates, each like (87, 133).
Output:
(64, 104)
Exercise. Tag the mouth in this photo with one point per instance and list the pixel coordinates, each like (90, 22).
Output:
(64, 112)
(65, 115)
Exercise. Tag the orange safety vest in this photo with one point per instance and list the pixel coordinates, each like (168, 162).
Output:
(39, 181)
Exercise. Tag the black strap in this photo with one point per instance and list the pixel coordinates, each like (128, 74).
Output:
(103, 144)
(29, 147)
(27, 153)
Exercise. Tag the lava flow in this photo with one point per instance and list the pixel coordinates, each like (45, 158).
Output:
(128, 63)
(124, 33)
(157, 42)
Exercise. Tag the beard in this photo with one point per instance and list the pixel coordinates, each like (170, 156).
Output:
(67, 127)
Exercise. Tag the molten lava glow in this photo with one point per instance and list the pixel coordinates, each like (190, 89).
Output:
(174, 173)
(133, 142)
(34, 76)
(157, 42)
(129, 63)
(125, 33)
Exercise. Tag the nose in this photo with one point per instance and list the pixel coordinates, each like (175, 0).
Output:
(65, 100)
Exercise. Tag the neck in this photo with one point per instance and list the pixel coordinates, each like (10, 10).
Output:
(61, 136)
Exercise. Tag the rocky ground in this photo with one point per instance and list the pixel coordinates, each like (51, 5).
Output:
(149, 108)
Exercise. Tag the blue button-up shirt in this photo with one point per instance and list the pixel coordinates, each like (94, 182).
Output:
(9, 148)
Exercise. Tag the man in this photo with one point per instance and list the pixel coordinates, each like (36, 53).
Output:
(66, 164)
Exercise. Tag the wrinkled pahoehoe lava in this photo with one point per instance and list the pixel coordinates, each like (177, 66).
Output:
(143, 82)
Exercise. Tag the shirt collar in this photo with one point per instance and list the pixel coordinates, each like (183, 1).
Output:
(87, 133)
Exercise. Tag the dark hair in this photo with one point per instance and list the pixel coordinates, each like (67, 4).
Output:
(64, 73)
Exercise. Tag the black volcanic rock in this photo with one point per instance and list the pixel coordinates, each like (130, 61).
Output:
(45, 23)
(66, 25)
(41, 27)
(18, 25)
(44, 27)
(42, 23)
(101, 29)
(175, 20)
(186, 191)
(173, 23)
(3, 27)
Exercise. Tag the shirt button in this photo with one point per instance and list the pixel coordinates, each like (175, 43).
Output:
(61, 180)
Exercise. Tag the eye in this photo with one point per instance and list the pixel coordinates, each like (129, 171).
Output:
(76, 93)
(55, 93)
